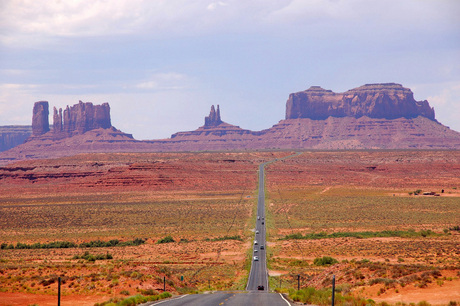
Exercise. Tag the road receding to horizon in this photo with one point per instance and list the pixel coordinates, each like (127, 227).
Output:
(258, 276)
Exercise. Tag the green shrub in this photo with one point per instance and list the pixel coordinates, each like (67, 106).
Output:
(89, 257)
(166, 239)
(165, 295)
(325, 261)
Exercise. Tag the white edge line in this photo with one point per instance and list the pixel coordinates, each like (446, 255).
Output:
(180, 297)
(284, 299)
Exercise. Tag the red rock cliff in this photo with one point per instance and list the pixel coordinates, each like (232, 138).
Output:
(389, 101)
(40, 121)
(80, 118)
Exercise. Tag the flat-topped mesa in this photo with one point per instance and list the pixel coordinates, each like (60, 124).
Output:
(81, 117)
(388, 100)
(214, 117)
(40, 121)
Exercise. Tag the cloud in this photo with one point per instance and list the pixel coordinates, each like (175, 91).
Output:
(164, 81)
(214, 5)
(32, 22)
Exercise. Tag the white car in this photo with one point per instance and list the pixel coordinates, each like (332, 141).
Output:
(257, 232)
(256, 258)
(256, 250)
(255, 242)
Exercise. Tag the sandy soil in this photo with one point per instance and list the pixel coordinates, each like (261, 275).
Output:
(199, 197)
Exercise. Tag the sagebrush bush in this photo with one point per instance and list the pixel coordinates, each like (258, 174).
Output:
(325, 261)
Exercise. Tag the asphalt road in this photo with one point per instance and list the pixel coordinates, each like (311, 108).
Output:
(226, 299)
(258, 275)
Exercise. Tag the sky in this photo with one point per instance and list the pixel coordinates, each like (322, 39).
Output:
(161, 64)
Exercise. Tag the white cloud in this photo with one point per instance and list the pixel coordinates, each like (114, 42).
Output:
(214, 5)
(164, 81)
(37, 22)
(445, 98)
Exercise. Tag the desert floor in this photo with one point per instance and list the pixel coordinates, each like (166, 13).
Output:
(365, 209)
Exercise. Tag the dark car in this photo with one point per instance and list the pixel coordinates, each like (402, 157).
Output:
(261, 246)
(260, 287)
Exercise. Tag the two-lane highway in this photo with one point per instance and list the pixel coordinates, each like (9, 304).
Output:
(258, 275)
(226, 299)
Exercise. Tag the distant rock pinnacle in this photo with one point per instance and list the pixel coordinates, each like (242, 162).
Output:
(40, 121)
(214, 117)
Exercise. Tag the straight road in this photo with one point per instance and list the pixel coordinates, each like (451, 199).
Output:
(226, 299)
(258, 275)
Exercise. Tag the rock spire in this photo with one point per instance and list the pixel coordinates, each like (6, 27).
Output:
(40, 120)
(81, 117)
(214, 117)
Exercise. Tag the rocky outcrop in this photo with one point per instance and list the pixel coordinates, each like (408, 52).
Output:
(40, 121)
(378, 116)
(13, 135)
(80, 118)
(214, 117)
(213, 126)
(388, 101)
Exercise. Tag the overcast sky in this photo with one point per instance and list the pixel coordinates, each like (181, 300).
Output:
(161, 64)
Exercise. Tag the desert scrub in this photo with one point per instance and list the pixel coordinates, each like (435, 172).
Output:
(166, 239)
(134, 300)
(362, 235)
(236, 237)
(90, 257)
(322, 297)
(68, 244)
(325, 261)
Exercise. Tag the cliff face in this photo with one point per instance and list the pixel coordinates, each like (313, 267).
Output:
(389, 101)
(40, 121)
(13, 135)
(80, 118)
(74, 120)
(378, 116)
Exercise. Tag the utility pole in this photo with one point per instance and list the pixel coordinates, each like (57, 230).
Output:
(333, 289)
(59, 291)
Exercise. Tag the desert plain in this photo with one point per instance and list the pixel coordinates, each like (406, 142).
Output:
(134, 223)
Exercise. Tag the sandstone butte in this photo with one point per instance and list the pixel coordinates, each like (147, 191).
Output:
(373, 116)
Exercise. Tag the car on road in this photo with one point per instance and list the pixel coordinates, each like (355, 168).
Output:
(260, 287)
(256, 250)
(257, 232)
(255, 242)
(258, 217)
(263, 222)
(262, 247)
(256, 258)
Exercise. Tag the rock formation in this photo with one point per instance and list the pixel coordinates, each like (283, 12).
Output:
(80, 118)
(389, 101)
(214, 117)
(213, 126)
(40, 121)
(377, 116)
(13, 135)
